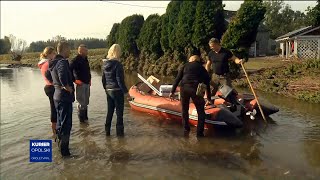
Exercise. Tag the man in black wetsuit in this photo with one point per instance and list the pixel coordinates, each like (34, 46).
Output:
(219, 58)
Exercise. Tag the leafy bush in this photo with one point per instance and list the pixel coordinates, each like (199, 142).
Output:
(113, 36)
(242, 31)
(209, 22)
(278, 50)
(149, 38)
(129, 31)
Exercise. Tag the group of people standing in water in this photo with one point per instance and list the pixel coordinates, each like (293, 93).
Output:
(60, 77)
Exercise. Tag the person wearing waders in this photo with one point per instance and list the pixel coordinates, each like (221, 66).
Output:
(63, 95)
(219, 58)
(80, 69)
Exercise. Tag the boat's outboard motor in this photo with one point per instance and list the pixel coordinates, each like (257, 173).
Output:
(230, 95)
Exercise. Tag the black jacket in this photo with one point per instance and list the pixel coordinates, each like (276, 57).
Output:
(80, 69)
(192, 74)
(60, 76)
(113, 75)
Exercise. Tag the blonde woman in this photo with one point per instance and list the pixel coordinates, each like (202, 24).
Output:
(114, 85)
(47, 55)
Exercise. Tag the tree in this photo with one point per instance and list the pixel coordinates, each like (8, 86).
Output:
(92, 43)
(112, 38)
(299, 20)
(5, 45)
(149, 38)
(172, 12)
(58, 38)
(184, 27)
(242, 31)
(18, 47)
(272, 17)
(209, 22)
(313, 15)
(164, 39)
(281, 19)
(129, 31)
(37, 46)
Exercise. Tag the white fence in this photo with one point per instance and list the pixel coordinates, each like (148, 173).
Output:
(308, 48)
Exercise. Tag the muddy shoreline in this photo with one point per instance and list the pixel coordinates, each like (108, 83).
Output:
(293, 79)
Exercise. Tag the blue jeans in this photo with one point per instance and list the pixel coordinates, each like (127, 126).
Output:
(64, 117)
(115, 100)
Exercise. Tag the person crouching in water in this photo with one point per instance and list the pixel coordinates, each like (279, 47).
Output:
(115, 88)
(80, 68)
(190, 75)
(63, 95)
(47, 55)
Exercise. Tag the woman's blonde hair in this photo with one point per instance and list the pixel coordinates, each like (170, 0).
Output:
(48, 50)
(194, 58)
(114, 52)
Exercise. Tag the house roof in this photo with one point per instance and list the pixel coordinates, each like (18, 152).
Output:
(297, 32)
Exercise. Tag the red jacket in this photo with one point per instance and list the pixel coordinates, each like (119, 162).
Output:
(44, 65)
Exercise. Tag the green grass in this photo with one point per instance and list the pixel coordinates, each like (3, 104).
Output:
(263, 62)
(298, 79)
(274, 75)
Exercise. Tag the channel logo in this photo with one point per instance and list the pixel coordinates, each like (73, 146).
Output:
(40, 150)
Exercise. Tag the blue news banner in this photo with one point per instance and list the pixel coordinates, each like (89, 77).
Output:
(40, 150)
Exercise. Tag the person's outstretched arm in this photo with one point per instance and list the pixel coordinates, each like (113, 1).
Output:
(206, 81)
(177, 80)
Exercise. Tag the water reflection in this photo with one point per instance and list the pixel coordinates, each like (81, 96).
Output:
(287, 148)
(6, 74)
(119, 156)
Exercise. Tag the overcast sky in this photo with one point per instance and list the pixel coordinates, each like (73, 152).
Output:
(43, 20)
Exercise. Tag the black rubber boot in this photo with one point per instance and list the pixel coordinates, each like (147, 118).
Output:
(64, 145)
(120, 131)
(186, 126)
(200, 134)
(200, 130)
(86, 114)
(81, 115)
(107, 128)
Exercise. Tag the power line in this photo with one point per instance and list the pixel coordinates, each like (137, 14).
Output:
(134, 5)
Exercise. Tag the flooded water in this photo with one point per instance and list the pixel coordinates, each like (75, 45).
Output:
(153, 148)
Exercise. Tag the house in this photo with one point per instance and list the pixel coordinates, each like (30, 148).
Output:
(263, 45)
(302, 43)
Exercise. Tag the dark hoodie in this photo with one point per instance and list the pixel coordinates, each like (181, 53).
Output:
(113, 75)
(60, 76)
(81, 69)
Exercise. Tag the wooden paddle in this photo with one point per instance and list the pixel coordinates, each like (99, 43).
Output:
(245, 72)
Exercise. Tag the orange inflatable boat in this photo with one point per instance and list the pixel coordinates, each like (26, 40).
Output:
(222, 113)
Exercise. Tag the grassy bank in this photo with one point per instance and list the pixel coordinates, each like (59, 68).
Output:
(95, 55)
(298, 79)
